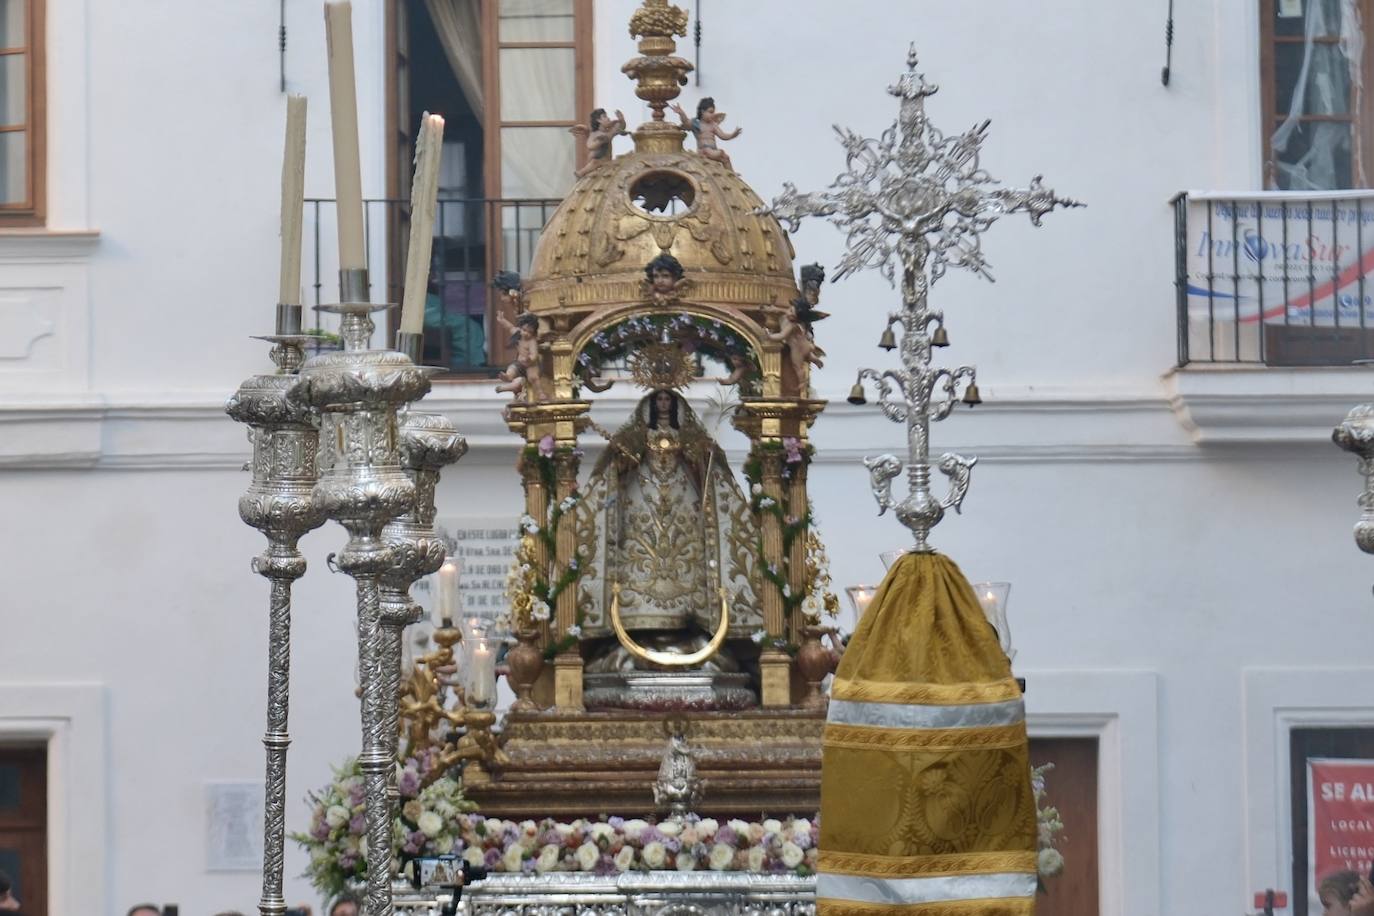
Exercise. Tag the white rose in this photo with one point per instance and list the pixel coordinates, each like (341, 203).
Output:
(601, 831)
(801, 828)
(1049, 863)
(528, 828)
(511, 859)
(548, 859)
(740, 827)
(625, 858)
(707, 827)
(756, 858)
(444, 845)
(633, 828)
(430, 824)
(587, 856)
(792, 854)
(563, 829)
(772, 825)
(686, 861)
(654, 854)
(473, 856)
(670, 828)
(494, 825)
(336, 816)
(319, 857)
(721, 857)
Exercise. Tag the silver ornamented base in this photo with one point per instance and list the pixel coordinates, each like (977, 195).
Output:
(668, 691)
(428, 443)
(280, 504)
(655, 893)
(359, 392)
(1355, 434)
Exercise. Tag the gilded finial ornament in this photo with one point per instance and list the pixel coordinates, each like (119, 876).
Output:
(658, 19)
(662, 366)
(917, 200)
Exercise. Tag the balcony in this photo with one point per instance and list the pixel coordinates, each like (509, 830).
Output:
(1272, 298)
(1274, 279)
(473, 239)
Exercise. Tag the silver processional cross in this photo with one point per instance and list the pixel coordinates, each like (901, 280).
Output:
(917, 198)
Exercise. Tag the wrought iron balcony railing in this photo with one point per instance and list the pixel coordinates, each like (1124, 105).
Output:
(473, 239)
(1277, 278)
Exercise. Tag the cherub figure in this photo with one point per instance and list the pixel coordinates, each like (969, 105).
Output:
(812, 276)
(664, 281)
(522, 375)
(598, 137)
(706, 128)
(739, 369)
(794, 330)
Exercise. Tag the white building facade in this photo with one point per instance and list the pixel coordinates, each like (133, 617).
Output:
(1186, 591)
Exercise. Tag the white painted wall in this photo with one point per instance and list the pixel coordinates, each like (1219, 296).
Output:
(1165, 534)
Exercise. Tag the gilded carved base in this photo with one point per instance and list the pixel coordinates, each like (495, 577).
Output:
(569, 765)
(775, 673)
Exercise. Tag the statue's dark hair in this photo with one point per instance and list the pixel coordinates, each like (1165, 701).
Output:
(653, 409)
(527, 320)
(667, 262)
(595, 116)
(812, 275)
(508, 281)
(705, 103)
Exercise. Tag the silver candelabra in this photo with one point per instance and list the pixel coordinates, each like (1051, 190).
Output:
(1355, 434)
(358, 394)
(280, 504)
(917, 200)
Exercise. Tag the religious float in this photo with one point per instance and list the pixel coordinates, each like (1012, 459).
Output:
(669, 646)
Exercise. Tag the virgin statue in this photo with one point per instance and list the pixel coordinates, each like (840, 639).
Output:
(670, 540)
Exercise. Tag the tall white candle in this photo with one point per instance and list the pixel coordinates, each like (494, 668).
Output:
(424, 190)
(343, 114)
(447, 598)
(481, 680)
(292, 201)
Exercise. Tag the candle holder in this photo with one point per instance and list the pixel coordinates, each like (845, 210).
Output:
(1355, 434)
(993, 598)
(358, 392)
(919, 201)
(428, 444)
(280, 504)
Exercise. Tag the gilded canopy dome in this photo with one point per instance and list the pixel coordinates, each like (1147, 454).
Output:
(659, 199)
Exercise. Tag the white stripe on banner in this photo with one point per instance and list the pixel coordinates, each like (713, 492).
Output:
(924, 890)
(900, 715)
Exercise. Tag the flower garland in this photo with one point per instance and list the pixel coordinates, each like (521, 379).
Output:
(691, 332)
(615, 845)
(528, 587)
(1049, 860)
(795, 456)
(336, 841)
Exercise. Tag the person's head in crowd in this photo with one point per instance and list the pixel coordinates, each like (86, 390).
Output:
(8, 902)
(1335, 892)
(145, 909)
(346, 904)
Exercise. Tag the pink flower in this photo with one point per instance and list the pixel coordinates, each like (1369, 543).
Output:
(792, 446)
(546, 446)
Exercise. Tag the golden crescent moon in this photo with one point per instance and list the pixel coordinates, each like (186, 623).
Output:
(669, 659)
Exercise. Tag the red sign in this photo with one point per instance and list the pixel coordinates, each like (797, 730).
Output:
(1340, 818)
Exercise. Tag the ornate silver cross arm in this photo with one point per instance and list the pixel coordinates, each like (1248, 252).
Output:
(917, 200)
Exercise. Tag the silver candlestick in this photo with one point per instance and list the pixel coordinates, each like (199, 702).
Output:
(1355, 434)
(278, 503)
(429, 443)
(362, 485)
(917, 199)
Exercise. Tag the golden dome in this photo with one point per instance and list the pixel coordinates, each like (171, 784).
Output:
(618, 218)
(659, 199)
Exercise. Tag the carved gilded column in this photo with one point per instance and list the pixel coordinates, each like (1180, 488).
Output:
(796, 555)
(774, 665)
(567, 687)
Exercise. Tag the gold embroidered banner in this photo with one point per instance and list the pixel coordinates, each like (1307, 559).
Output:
(926, 803)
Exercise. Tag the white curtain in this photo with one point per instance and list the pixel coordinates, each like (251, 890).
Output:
(1328, 83)
(459, 26)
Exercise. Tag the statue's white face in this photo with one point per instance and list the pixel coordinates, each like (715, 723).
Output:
(664, 402)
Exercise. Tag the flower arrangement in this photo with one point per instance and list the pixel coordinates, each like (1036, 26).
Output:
(616, 845)
(819, 598)
(1050, 861)
(431, 805)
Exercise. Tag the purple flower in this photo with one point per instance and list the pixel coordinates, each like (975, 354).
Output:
(356, 796)
(546, 446)
(347, 861)
(727, 836)
(408, 783)
(616, 822)
(526, 866)
(357, 825)
(412, 848)
(792, 446)
(491, 859)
